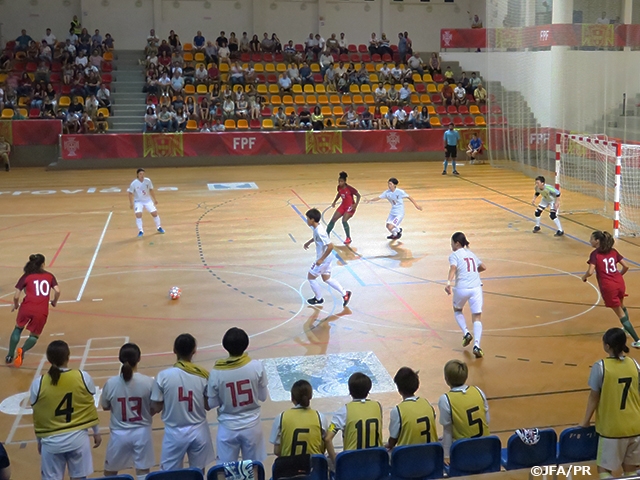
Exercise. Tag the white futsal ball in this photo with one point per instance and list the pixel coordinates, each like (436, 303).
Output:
(175, 293)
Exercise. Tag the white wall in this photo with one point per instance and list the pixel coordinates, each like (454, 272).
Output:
(55, 14)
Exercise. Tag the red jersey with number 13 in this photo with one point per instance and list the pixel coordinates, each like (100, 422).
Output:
(37, 288)
(346, 194)
(606, 265)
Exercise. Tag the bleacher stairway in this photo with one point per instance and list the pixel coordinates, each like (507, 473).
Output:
(614, 124)
(127, 96)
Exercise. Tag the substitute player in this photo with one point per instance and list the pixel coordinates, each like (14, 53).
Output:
(464, 270)
(604, 261)
(615, 400)
(63, 410)
(180, 393)
(141, 197)
(451, 138)
(360, 420)
(413, 421)
(128, 398)
(237, 385)
(550, 198)
(37, 284)
(396, 198)
(322, 265)
(347, 208)
(475, 148)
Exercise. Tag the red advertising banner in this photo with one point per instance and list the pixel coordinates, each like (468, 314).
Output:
(463, 38)
(80, 147)
(31, 132)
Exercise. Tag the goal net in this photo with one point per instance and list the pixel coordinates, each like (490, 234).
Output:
(607, 173)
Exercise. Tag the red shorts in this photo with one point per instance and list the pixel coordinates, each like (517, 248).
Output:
(343, 209)
(613, 295)
(34, 322)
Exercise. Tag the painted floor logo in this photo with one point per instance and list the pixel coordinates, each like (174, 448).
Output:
(16, 193)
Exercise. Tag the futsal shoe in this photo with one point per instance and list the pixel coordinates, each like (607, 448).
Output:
(160, 230)
(477, 351)
(634, 345)
(392, 237)
(467, 339)
(347, 241)
(559, 233)
(399, 234)
(140, 233)
(346, 298)
(455, 172)
(18, 360)
(536, 229)
(8, 359)
(315, 301)
(444, 172)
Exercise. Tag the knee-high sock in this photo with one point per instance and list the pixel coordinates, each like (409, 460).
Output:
(330, 226)
(477, 332)
(453, 162)
(626, 324)
(557, 222)
(462, 322)
(347, 229)
(157, 220)
(317, 289)
(446, 164)
(30, 343)
(336, 286)
(13, 341)
(139, 224)
(537, 221)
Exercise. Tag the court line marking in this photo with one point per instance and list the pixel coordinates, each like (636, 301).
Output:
(93, 260)
(19, 416)
(53, 260)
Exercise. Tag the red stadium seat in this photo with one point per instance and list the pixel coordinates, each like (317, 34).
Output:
(10, 45)
(265, 112)
(267, 57)
(493, 120)
(344, 57)
(452, 110)
(386, 57)
(56, 67)
(441, 109)
(394, 48)
(245, 57)
(435, 98)
(55, 78)
(107, 67)
(19, 67)
(445, 121)
(271, 78)
(66, 89)
(351, 48)
(299, 47)
(463, 110)
(107, 78)
(366, 57)
(471, 98)
(354, 57)
(279, 57)
(376, 58)
(260, 78)
(255, 124)
(483, 109)
(469, 121)
(458, 122)
(360, 110)
(362, 48)
(394, 109)
(34, 113)
(438, 78)
(495, 109)
(420, 88)
(317, 78)
(256, 57)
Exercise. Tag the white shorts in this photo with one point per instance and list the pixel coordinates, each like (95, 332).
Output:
(231, 442)
(79, 462)
(322, 269)
(472, 295)
(138, 207)
(128, 448)
(394, 219)
(613, 452)
(544, 204)
(193, 441)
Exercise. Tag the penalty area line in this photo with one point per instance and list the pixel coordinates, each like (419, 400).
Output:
(93, 260)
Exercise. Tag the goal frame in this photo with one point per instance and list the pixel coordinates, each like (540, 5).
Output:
(618, 169)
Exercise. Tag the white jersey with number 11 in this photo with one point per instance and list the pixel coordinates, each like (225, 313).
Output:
(467, 275)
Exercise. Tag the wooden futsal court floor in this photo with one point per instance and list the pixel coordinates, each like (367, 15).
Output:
(237, 256)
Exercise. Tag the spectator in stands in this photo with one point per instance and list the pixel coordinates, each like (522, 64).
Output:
(101, 123)
(333, 46)
(236, 75)
(448, 75)
(5, 151)
(384, 74)
(285, 83)
(104, 97)
(374, 44)
(317, 118)
(84, 42)
(72, 37)
(387, 119)
(412, 119)
(254, 44)
(326, 62)
(42, 73)
(164, 123)
(320, 44)
(49, 38)
(350, 118)
(457, 402)
(376, 122)
(292, 121)
(409, 43)
(290, 54)
(70, 49)
(423, 118)
(255, 105)
(415, 63)
(342, 43)
(152, 43)
(150, 120)
(603, 20)
(96, 59)
(464, 80)
(294, 73)
(75, 25)
(164, 48)
(380, 95)
(362, 77)
(244, 46)
(228, 108)
(352, 74)
(177, 83)
(44, 52)
(399, 118)
(366, 119)
(108, 43)
(460, 95)
(221, 39)
(310, 43)
(474, 82)
(76, 108)
(447, 94)
(37, 97)
(81, 59)
(404, 95)
(199, 41)
(480, 94)
(279, 119)
(178, 102)
(304, 118)
(200, 76)
(91, 106)
(341, 71)
(218, 126)
(434, 64)
(25, 86)
(330, 79)
(151, 86)
(385, 45)
(306, 76)
(393, 97)
(224, 54)
(181, 120)
(204, 111)
(403, 47)
(22, 42)
(5, 61)
(211, 52)
(96, 41)
(277, 44)
(342, 84)
(205, 128)
(49, 92)
(213, 76)
(396, 74)
(233, 44)
(174, 40)
(267, 44)
(242, 107)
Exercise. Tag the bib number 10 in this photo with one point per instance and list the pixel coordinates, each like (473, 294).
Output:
(42, 288)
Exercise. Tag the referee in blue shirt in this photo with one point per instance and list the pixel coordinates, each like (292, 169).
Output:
(451, 139)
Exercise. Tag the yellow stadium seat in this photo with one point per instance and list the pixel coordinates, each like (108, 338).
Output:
(431, 88)
(192, 125)
(346, 99)
(480, 122)
(188, 57)
(365, 88)
(262, 89)
(199, 57)
(372, 109)
(397, 86)
(315, 68)
(243, 124)
(289, 110)
(369, 100)
(334, 100)
(104, 112)
(299, 100)
(474, 110)
(312, 100)
(416, 78)
(337, 111)
(424, 98)
(378, 67)
(384, 109)
(276, 100)
(308, 89)
(412, 88)
(373, 78)
(415, 98)
(326, 110)
(297, 88)
(281, 67)
(440, 87)
(270, 67)
(274, 88)
(358, 99)
(435, 122)
(370, 67)
(7, 113)
(201, 89)
(354, 88)
(3, 77)
(323, 100)
(108, 56)
(189, 89)
(224, 67)
(199, 64)
(230, 124)
(287, 100)
(64, 101)
(23, 112)
(431, 109)
(426, 78)
(258, 67)
(267, 124)
(187, 47)
(320, 88)
(23, 101)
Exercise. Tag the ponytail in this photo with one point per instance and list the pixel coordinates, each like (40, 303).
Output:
(301, 393)
(343, 176)
(460, 238)
(34, 265)
(605, 239)
(616, 338)
(129, 356)
(58, 354)
(54, 372)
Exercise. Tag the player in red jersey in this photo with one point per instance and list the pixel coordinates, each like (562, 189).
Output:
(604, 262)
(37, 284)
(347, 208)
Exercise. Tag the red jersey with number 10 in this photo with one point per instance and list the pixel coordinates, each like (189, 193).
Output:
(346, 194)
(606, 265)
(37, 288)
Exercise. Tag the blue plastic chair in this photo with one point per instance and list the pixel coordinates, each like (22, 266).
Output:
(212, 474)
(183, 474)
(417, 462)
(117, 477)
(577, 444)
(519, 455)
(319, 468)
(471, 456)
(367, 464)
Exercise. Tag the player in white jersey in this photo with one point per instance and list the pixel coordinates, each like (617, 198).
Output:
(322, 265)
(464, 269)
(550, 198)
(237, 385)
(396, 198)
(180, 392)
(128, 398)
(141, 197)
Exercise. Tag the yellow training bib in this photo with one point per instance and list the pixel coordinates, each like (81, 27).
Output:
(417, 422)
(363, 428)
(618, 412)
(301, 430)
(467, 414)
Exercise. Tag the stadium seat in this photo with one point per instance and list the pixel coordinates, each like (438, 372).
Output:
(192, 125)
(376, 58)
(338, 111)
(373, 78)
(431, 88)
(435, 122)
(362, 48)
(367, 464)
(299, 47)
(187, 47)
(260, 78)
(312, 100)
(230, 124)
(471, 456)
(420, 87)
(308, 89)
(281, 67)
(483, 109)
(271, 78)
(289, 110)
(104, 112)
(317, 78)
(387, 58)
(275, 100)
(446, 121)
(426, 78)
(496, 110)
(184, 474)
(267, 124)
(34, 113)
(357, 99)
(262, 89)
(296, 88)
(417, 462)
(365, 88)
(458, 122)
(415, 99)
(424, 98)
(354, 57)
(326, 110)
(438, 78)
(64, 101)
(273, 88)
(218, 471)
(107, 78)
(441, 110)
(188, 57)
(452, 110)
(416, 78)
(323, 99)
(320, 88)
(23, 101)
(384, 109)
(108, 56)
(269, 67)
(242, 124)
(256, 57)
(469, 121)
(288, 99)
(577, 444)
(31, 67)
(519, 455)
(254, 124)
(224, 68)
(201, 89)
(189, 89)
(463, 110)
(431, 110)
(369, 100)
(334, 100)
(315, 67)
(480, 122)
(117, 477)
(474, 110)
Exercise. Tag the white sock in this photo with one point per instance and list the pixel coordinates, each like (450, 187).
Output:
(477, 332)
(317, 290)
(336, 286)
(141, 477)
(395, 230)
(462, 322)
(557, 222)
(537, 221)
(157, 220)
(139, 224)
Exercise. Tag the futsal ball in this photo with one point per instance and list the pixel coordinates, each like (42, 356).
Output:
(175, 293)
